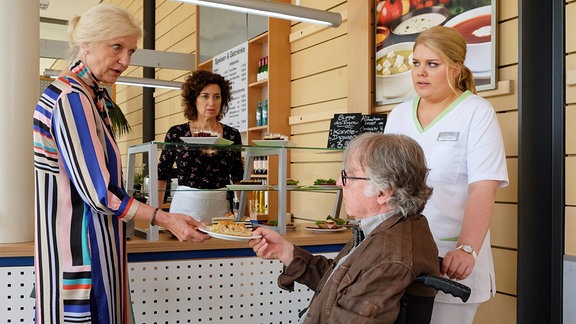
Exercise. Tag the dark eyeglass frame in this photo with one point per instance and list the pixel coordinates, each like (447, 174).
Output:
(344, 176)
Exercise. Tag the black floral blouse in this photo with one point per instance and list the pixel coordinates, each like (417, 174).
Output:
(197, 169)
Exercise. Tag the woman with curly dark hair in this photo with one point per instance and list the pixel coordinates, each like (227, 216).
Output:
(205, 98)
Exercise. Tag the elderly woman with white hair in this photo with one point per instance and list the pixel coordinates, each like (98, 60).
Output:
(80, 204)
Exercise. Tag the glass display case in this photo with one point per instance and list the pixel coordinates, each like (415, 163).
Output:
(250, 152)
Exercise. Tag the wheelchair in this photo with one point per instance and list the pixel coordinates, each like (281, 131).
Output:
(418, 309)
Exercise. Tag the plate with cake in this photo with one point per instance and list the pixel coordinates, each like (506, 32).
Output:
(230, 230)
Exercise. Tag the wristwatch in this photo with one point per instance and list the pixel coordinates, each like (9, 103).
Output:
(468, 249)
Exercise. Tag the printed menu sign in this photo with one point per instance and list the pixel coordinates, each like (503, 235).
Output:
(344, 127)
(233, 66)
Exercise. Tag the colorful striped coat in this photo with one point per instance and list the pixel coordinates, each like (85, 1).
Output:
(80, 209)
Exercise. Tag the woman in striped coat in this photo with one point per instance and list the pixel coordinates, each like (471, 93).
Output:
(80, 204)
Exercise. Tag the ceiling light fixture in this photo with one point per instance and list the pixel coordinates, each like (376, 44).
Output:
(132, 81)
(274, 10)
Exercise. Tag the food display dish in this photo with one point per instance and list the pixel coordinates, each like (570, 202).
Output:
(397, 84)
(317, 229)
(476, 27)
(419, 20)
(207, 140)
(226, 236)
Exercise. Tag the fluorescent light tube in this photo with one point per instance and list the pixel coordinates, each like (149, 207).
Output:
(274, 10)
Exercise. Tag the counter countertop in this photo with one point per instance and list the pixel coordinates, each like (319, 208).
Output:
(299, 236)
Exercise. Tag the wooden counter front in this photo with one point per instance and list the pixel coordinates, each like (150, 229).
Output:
(300, 237)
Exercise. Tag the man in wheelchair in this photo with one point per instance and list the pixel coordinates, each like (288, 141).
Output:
(384, 188)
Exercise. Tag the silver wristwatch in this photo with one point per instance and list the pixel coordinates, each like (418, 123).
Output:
(468, 249)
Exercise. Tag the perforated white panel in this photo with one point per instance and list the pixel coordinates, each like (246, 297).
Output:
(15, 287)
(227, 290)
(234, 290)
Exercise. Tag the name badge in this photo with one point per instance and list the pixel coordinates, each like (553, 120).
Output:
(448, 136)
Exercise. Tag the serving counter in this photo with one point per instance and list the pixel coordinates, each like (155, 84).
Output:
(174, 282)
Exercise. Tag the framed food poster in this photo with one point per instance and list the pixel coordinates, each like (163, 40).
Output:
(398, 23)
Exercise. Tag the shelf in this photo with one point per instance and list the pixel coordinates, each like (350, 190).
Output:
(259, 84)
(258, 129)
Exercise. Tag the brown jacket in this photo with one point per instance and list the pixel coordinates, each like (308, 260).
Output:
(368, 285)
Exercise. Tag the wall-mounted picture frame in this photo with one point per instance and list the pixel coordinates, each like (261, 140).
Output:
(398, 23)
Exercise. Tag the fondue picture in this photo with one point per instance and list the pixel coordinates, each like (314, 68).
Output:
(399, 22)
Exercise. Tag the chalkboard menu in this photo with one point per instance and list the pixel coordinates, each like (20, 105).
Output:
(373, 123)
(344, 127)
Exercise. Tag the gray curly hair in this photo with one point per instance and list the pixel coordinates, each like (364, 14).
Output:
(393, 162)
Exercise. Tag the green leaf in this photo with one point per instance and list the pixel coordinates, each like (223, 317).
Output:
(119, 122)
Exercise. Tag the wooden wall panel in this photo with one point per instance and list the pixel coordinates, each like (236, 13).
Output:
(570, 245)
(570, 181)
(505, 265)
(504, 227)
(506, 10)
(570, 27)
(320, 87)
(509, 125)
(184, 16)
(320, 128)
(176, 35)
(507, 40)
(170, 74)
(498, 310)
(510, 101)
(571, 130)
(314, 59)
(571, 89)
(165, 8)
(298, 114)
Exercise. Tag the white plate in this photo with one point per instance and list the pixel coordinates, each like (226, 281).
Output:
(247, 187)
(271, 142)
(226, 236)
(324, 187)
(325, 230)
(207, 140)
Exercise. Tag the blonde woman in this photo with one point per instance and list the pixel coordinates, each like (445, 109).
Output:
(462, 141)
(81, 206)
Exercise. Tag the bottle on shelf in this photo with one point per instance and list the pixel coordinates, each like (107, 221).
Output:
(256, 165)
(265, 113)
(265, 68)
(265, 165)
(260, 71)
(259, 114)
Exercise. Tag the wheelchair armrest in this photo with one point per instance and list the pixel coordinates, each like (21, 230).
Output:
(448, 286)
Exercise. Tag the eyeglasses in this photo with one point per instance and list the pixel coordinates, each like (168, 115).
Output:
(344, 176)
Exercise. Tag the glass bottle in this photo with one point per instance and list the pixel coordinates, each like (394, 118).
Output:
(259, 114)
(265, 113)
(260, 70)
(265, 68)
